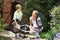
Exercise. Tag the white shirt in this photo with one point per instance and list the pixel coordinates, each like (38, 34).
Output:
(33, 22)
(18, 15)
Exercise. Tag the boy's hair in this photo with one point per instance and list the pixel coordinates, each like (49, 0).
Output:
(18, 6)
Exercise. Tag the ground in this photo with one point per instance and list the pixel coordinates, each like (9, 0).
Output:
(12, 36)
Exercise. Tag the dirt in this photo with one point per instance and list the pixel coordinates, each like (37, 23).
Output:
(12, 36)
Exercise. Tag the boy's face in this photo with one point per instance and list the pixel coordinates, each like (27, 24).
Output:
(18, 8)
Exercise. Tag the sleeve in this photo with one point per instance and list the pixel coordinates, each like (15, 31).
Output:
(30, 18)
(14, 17)
(21, 14)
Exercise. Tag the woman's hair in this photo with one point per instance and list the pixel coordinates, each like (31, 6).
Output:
(18, 6)
(35, 12)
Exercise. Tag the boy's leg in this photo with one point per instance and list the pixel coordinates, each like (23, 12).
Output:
(17, 35)
(24, 34)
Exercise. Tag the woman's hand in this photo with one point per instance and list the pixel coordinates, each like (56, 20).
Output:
(32, 28)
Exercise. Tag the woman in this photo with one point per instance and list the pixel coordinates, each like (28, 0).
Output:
(33, 24)
(17, 20)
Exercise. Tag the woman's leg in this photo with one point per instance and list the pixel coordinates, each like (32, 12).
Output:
(37, 34)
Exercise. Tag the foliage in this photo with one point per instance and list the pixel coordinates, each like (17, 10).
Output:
(43, 6)
(55, 20)
(0, 1)
(2, 25)
(46, 35)
(54, 24)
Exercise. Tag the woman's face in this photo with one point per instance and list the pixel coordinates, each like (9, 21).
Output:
(34, 14)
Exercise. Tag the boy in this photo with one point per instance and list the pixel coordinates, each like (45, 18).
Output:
(17, 20)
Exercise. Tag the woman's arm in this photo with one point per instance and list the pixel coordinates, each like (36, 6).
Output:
(30, 23)
(31, 27)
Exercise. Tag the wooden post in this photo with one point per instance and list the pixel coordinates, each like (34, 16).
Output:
(6, 11)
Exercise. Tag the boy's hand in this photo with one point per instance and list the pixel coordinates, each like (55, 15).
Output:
(17, 26)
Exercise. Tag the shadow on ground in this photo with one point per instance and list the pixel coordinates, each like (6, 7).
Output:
(5, 38)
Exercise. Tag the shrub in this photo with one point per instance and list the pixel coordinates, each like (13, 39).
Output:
(2, 25)
(55, 20)
(42, 6)
(54, 24)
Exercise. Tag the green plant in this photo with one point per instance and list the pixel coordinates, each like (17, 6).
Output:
(54, 24)
(43, 6)
(46, 35)
(55, 20)
(2, 24)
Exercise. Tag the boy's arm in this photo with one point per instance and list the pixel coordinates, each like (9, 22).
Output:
(15, 22)
(20, 18)
(15, 18)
